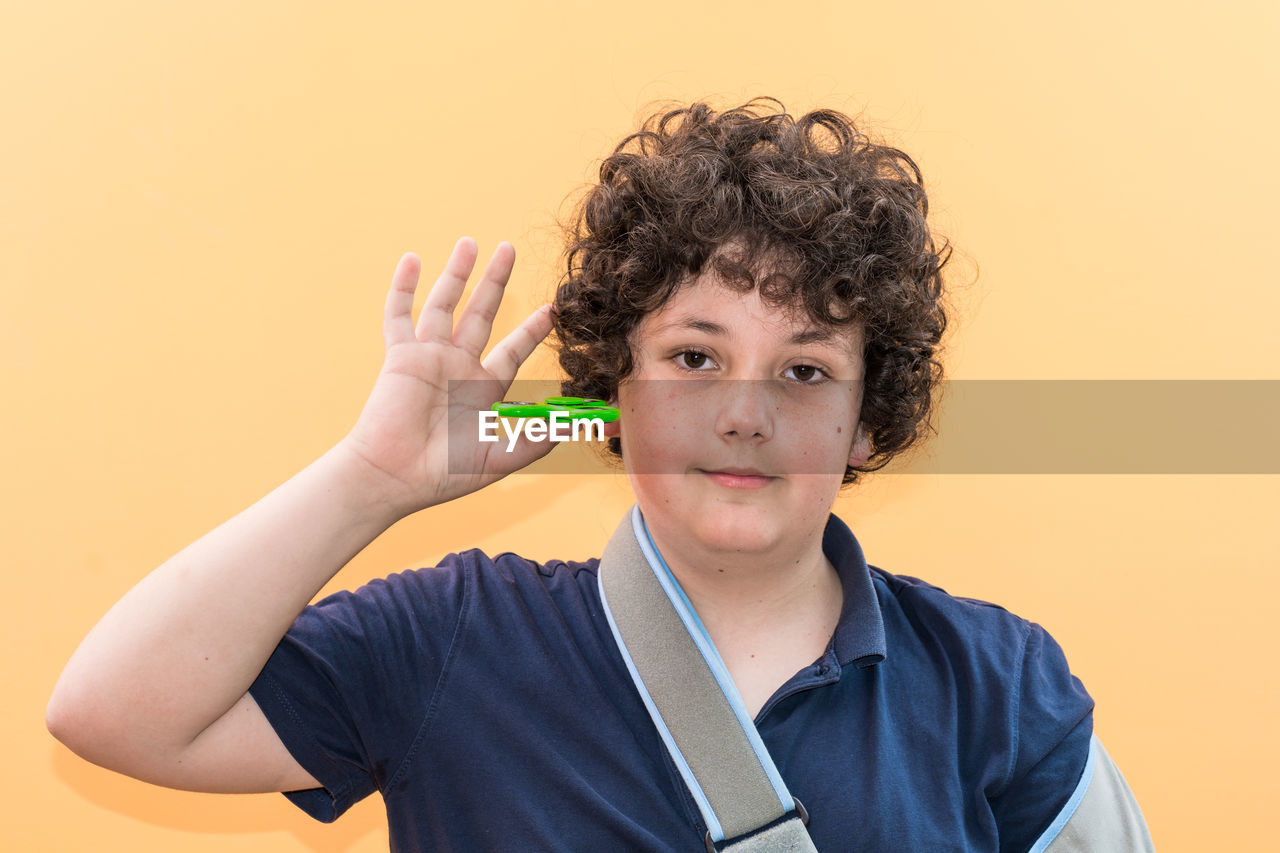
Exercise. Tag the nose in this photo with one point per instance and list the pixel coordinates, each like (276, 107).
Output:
(745, 409)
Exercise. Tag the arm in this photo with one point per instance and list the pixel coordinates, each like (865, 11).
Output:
(1102, 813)
(1065, 794)
(157, 690)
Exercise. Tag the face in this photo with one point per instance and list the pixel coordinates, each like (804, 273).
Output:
(724, 382)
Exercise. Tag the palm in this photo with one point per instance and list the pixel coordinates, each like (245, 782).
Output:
(415, 428)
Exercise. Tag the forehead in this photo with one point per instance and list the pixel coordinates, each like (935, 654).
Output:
(706, 307)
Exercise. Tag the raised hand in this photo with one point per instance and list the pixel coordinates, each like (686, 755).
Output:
(415, 431)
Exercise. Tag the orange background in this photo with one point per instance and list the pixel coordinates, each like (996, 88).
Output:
(203, 205)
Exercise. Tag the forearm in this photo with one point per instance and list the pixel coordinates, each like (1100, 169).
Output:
(184, 645)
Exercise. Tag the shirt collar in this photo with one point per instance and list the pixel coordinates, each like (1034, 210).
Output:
(859, 636)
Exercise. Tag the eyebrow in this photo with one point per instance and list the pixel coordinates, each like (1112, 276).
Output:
(813, 334)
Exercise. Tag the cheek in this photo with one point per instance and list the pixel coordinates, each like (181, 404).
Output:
(659, 431)
(819, 439)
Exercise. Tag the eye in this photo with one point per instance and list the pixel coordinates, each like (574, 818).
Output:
(695, 361)
(691, 360)
(805, 372)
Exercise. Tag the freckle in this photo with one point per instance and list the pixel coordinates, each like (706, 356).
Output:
(721, 572)
(839, 430)
(753, 656)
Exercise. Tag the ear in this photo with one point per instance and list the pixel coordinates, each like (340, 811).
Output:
(861, 450)
(613, 428)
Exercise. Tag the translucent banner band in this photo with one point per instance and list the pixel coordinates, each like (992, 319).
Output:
(787, 427)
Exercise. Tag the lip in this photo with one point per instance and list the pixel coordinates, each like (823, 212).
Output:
(737, 472)
(739, 478)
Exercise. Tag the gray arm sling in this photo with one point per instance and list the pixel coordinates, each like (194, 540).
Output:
(714, 743)
(694, 703)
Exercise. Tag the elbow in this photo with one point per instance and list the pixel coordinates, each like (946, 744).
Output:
(85, 718)
(65, 718)
(55, 718)
(78, 721)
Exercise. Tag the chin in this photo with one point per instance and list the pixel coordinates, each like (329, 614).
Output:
(734, 527)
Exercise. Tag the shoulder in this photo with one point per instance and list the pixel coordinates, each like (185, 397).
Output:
(924, 598)
(460, 574)
(516, 580)
(979, 636)
(487, 598)
(432, 607)
(917, 612)
(509, 567)
(1009, 666)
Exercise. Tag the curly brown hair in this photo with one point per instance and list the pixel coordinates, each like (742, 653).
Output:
(750, 190)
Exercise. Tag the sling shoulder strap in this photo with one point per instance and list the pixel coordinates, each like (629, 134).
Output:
(693, 701)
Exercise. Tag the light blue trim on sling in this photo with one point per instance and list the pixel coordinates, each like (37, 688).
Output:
(1077, 796)
(703, 640)
(713, 823)
(706, 648)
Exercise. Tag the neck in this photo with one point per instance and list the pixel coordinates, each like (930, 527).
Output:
(792, 590)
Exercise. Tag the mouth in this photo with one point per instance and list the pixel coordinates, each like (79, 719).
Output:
(739, 478)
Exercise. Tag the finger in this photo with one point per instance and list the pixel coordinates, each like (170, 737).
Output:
(436, 320)
(505, 359)
(397, 315)
(476, 323)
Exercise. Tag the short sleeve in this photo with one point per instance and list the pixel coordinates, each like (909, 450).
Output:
(1054, 726)
(349, 687)
(1102, 814)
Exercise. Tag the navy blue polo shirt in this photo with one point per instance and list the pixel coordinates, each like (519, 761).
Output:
(486, 700)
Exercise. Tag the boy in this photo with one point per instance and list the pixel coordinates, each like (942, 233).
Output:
(487, 699)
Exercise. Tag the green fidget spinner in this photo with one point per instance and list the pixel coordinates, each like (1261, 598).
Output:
(575, 408)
